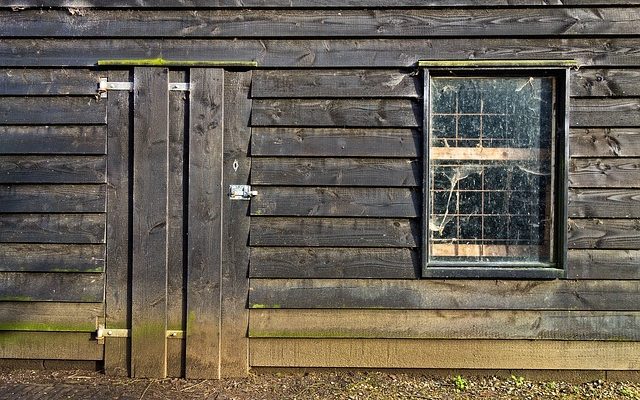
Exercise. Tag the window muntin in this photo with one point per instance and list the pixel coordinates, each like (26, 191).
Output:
(491, 173)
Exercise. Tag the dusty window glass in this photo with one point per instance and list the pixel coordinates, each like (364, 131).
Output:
(491, 169)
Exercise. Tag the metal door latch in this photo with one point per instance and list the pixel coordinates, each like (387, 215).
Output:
(241, 192)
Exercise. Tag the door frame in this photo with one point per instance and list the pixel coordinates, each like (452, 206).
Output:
(213, 341)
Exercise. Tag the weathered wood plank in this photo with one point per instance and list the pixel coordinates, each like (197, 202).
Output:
(445, 324)
(603, 264)
(336, 202)
(52, 198)
(336, 172)
(331, 142)
(382, 53)
(296, 262)
(52, 169)
(335, 83)
(37, 82)
(445, 294)
(234, 345)
(117, 351)
(604, 203)
(398, 113)
(50, 345)
(605, 82)
(149, 270)
(604, 234)
(53, 139)
(306, 3)
(53, 286)
(443, 353)
(52, 111)
(604, 172)
(604, 142)
(323, 23)
(176, 225)
(56, 317)
(52, 257)
(52, 228)
(605, 112)
(204, 224)
(176, 266)
(333, 232)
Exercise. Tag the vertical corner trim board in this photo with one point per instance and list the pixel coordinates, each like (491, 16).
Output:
(150, 174)
(204, 223)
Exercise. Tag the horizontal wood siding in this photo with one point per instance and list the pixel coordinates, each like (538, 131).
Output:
(443, 353)
(50, 345)
(324, 23)
(53, 139)
(335, 163)
(40, 82)
(52, 213)
(428, 294)
(52, 111)
(52, 198)
(442, 324)
(335, 53)
(52, 257)
(54, 286)
(323, 262)
(208, 4)
(50, 317)
(334, 142)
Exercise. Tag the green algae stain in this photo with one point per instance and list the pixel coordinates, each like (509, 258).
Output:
(161, 62)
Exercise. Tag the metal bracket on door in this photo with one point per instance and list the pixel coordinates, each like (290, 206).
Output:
(104, 86)
(241, 192)
(103, 333)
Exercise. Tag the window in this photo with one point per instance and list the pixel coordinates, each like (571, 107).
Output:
(495, 179)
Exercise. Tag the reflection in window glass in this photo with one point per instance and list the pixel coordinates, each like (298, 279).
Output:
(491, 173)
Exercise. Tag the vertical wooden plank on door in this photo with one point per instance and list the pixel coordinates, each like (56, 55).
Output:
(235, 260)
(204, 223)
(176, 267)
(116, 352)
(149, 272)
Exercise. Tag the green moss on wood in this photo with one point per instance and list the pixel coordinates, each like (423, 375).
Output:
(256, 305)
(16, 298)
(497, 63)
(161, 62)
(325, 334)
(47, 327)
(73, 270)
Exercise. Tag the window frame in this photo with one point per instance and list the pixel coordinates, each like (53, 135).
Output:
(560, 70)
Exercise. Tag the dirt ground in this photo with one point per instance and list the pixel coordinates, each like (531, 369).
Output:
(351, 385)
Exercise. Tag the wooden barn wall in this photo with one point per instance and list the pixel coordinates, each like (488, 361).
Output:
(52, 213)
(336, 152)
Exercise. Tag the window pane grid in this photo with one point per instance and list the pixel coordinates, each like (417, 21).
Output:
(491, 169)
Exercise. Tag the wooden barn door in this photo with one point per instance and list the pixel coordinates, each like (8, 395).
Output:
(177, 280)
